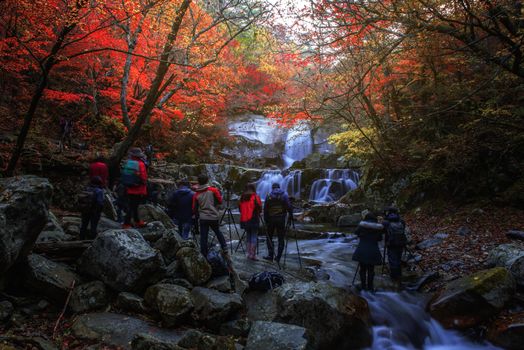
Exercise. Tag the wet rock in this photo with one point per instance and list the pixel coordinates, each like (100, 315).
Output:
(174, 270)
(118, 330)
(23, 215)
(450, 265)
(150, 213)
(333, 317)
(53, 231)
(212, 308)
(261, 306)
(6, 310)
(277, 336)
(222, 284)
(428, 243)
(349, 220)
(508, 331)
(510, 256)
(153, 231)
(194, 265)
(89, 296)
(515, 234)
(172, 302)
(131, 302)
(49, 278)
(180, 282)
(466, 302)
(123, 260)
(71, 225)
(194, 339)
(169, 245)
(35, 308)
(152, 342)
(236, 328)
(464, 231)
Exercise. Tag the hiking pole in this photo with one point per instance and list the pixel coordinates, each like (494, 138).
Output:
(355, 275)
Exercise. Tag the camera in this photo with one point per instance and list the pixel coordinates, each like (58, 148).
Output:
(228, 185)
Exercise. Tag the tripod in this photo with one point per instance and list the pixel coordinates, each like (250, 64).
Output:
(231, 221)
(290, 225)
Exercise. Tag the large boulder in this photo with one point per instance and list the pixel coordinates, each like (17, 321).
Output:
(333, 317)
(170, 243)
(277, 336)
(510, 256)
(508, 331)
(467, 301)
(213, 308)
(123, 260)
(49, 278)
(53, 231)
(131, 302)
(150, 213)
(172, 302)
(144, 341)
(194, 266)
(89, 296)
(23, 215)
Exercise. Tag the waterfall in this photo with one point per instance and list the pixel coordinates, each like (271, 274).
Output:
(337, 182)
(290, 183)
(405, 325)
(299, 144)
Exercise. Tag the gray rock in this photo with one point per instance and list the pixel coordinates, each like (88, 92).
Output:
(49, 278)
(261, 306)
(508, 332)
(123, 260)
(510, 256)
(349, 220)
(23, 215)
(194, 265)
(6, 310)
(153, 231)
(212, 308)
(181, 282)
(464, 231)
(53, 231)
(515, 234)
(441, 235)
(71, 225)
(150, 213)
(222, 284)
(194, 339)
(470, 300)
(169, 245)
(277, 336)
(118, 330)
(173, 270)
(428, 243)
(333, 317)
(236, 328)
(152, 342)
(172, 302)
(131, 302)
(35, 308)
(89, 296)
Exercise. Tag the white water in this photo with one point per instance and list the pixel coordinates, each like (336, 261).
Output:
(256, 128)
(337, 182)
(299, 144)
(290, 183)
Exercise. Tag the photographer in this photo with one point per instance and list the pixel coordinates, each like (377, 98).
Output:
(205, 206)
(395, 242)
(250, 207)
(276, 208)
(180, 208)
(367, 253)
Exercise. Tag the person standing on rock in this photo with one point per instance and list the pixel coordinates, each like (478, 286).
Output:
(395, 242)
(134, 177)
(250, 208)
(99, 168)
(367, 253)
(205, 207)
(276, 208)
(180, 208)
(91, 203)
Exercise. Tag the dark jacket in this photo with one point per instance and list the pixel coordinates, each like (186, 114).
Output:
(180, 204)
(367, 252)
(393, 217)
(281, 198)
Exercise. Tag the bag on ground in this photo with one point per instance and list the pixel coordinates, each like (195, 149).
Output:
(264, 281)
(218, 264)
(397, 235)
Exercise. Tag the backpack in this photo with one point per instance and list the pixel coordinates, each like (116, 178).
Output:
(264, 281)
(218, 264)
(397, 235)
(129, 176)
(275, 206)
(86, 200)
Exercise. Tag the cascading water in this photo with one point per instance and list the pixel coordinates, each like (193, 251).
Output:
(405, 325)
(299, 144)
(337, 182)
(290, 183)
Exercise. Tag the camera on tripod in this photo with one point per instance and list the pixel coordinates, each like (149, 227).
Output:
(228, 185)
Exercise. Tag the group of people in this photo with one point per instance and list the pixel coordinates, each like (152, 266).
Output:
(367, 254)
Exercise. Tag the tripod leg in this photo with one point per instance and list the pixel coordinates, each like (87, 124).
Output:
(355, 276)
(232, 220)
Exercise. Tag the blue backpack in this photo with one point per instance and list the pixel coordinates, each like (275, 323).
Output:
(129, 176)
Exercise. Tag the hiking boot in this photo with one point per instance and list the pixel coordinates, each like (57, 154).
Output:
(140, 224)
(126, 226)
(270, 258)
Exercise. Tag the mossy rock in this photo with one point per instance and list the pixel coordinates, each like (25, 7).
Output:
(470, 300)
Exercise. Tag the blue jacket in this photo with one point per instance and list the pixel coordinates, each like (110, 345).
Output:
(99, 195)
(180, 204)
(283, 198)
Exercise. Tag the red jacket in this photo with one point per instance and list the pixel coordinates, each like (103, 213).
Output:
(247, 208)
(99, 169)
(142, 173)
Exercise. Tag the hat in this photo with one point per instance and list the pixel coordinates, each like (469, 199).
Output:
(275, 185)
(136, 152)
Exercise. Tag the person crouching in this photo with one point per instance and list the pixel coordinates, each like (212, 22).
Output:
(368, 253)
(250, 208)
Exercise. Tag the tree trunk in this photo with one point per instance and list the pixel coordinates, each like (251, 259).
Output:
(154, 91)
